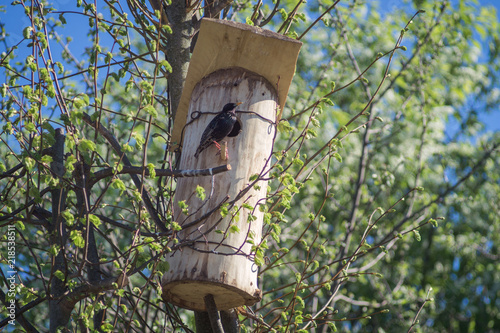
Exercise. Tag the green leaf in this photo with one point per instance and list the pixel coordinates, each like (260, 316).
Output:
(284, 126)
(183, 206)
(81, 101)
(151, 110)
(151, 170)
(8, 128)
(337, 157)
(27, 32)
(298, 162)
(247, 206)
(139, 140)
(167, 29)
(254, 177)
(200, 192)
(30, 127)
(54, 250)
(234, 229)
(126, 148)
(107, 327)
(166, 66)
(224, 210)
(3, 90)
(68, 217)
(77, 238)
(175, 226)
(29, 163)
(60, 275)
(258, 259)
(108, 57)
(69, 164)
(20, 225)
(62, 19)
(332, 326)
(86, 145)
(119, 185)
(300, 302)
(267, 218)
(129, 85)
(284, 14)
(327, 100)
(96, 221)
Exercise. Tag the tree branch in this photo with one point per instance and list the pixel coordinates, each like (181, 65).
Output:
(108, 172)
(117, 148)
(60, 312)
(19, 314)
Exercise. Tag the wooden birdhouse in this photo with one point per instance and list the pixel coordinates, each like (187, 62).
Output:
(231, 62)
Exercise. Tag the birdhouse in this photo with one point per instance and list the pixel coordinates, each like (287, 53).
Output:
(219, 214)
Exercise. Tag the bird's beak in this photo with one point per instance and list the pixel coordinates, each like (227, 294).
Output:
(238, 103)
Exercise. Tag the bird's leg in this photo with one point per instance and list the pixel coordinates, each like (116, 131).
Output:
(217, 145)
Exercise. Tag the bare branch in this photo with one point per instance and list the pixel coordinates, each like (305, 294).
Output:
(108, 172)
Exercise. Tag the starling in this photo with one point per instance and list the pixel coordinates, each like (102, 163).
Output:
(220, 127)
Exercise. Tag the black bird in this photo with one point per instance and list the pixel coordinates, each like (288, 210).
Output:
(220, 127)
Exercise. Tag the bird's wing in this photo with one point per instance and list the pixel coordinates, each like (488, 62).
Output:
(207, 133)
(206, 137)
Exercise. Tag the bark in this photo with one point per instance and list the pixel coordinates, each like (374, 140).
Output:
(229, 320)
(82, 191)
(59, 310)
(178, 49)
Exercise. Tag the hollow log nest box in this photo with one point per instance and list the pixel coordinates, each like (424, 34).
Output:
(231, 63)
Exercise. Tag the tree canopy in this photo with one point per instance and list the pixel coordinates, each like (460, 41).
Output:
(382, 210)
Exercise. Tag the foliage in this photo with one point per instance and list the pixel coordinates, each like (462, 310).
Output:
(382, 209)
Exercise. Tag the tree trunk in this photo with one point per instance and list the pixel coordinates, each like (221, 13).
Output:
(59, 309)
(178, 49)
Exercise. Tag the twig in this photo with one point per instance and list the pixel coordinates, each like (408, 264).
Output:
(319, 18)
(116, 147)
(415, 320)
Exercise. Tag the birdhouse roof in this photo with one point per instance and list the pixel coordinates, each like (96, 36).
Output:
(225, 44)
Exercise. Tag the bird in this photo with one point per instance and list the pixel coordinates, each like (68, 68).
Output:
(220, 127)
